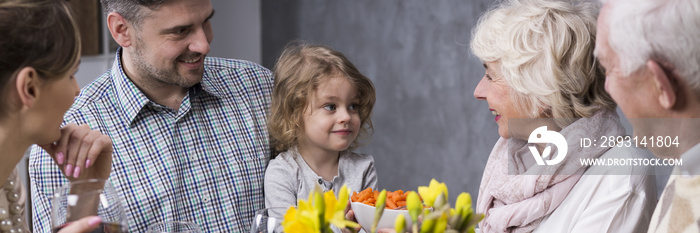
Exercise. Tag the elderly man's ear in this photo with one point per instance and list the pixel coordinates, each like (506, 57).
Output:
(666, 84)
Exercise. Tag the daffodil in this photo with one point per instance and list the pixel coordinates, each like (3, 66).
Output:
(441, 218)
(435, 220)
(464, 218)
(378, 210)
(335, 209)
(427, 226)
(343, 197)
(463, 205)
(303, 219)
(441, 224)
(399, 223)
(433, 192)
(415, 207)
(320, 205)
(316, 214)
(321, 210)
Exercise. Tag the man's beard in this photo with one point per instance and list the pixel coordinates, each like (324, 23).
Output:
(169, 76)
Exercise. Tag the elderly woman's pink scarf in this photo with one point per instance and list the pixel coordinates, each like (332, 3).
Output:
(516, 193)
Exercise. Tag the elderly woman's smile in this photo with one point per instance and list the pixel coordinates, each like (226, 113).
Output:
(493, 111)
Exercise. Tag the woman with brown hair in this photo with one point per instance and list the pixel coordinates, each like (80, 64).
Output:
(40, 48)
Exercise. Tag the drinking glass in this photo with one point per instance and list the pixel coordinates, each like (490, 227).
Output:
(268, 220)
(93, 197)
(174, 227)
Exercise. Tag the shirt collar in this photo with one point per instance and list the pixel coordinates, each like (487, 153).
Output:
(132, 100)
(208, 84)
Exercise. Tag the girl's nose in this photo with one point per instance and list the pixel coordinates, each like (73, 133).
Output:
(343, 116)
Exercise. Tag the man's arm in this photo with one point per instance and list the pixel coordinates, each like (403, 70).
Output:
(44, 179)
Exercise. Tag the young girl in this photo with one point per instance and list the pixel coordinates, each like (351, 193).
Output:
(321, 105)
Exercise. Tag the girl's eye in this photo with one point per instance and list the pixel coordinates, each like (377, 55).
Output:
(329, 107)
(354, 107)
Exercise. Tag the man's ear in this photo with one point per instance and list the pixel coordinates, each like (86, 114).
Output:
(666, 84)
(27, 86)
(120, 29)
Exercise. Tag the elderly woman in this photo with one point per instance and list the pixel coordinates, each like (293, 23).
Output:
(540, 71)
(40, 53)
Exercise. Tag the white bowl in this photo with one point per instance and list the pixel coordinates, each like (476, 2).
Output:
(365, 216)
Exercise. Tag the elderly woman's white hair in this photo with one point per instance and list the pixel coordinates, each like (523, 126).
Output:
(545, 50)
(643, 30)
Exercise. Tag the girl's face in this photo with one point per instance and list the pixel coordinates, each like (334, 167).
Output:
(496, 91)
(331, 119)
(57, 96)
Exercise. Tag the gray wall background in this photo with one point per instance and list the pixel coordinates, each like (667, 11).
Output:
(426, 120)
(237, 30)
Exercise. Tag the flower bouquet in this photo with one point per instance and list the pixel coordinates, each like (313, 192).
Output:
(321, 210)
(318, 213)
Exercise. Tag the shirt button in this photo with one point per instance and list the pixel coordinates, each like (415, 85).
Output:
(320, 181)
(205, 199)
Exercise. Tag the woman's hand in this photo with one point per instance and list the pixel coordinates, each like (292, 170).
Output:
(84, 225)
(82, 153)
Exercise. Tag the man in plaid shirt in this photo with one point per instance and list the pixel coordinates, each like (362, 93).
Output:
(189, 132)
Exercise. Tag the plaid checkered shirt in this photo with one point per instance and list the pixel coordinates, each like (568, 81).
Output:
(204, 163)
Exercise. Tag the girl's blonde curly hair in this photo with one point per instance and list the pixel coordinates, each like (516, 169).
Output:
(298, 72)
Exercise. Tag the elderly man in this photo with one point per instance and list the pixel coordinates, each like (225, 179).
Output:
(651, 52)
